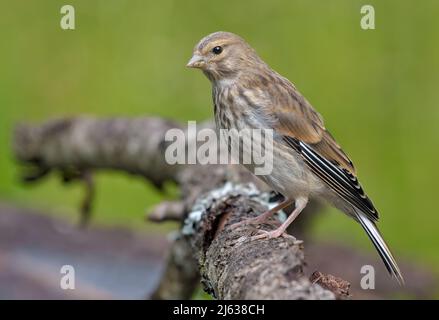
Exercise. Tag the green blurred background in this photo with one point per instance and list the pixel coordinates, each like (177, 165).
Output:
(377, 89)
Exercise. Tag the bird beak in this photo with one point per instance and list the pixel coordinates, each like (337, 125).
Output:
(196, 61)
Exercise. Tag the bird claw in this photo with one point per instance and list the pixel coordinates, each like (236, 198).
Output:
(254, 221)
(242, 223)
(263, 234)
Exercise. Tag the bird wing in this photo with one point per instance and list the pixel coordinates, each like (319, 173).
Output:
(302, 129)
(297, 118)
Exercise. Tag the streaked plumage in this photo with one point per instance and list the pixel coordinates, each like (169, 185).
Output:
(308, 162)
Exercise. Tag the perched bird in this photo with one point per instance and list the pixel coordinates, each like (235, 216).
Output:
(307, 161)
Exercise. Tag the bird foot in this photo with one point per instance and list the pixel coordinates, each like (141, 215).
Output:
(263, 234)
(251, 221)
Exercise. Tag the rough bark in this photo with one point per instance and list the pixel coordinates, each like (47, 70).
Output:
(234, 267)
(181, 276)
(212, 197)
(134, 146)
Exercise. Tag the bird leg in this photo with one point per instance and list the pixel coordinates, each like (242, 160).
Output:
(300, 205)
(265, 216)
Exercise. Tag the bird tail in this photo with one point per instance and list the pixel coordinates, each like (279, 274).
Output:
(381, 246)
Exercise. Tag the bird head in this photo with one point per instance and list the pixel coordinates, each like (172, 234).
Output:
(223, 55)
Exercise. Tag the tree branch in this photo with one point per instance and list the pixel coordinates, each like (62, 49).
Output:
(212, 197)
(232, 266)
(135, 146)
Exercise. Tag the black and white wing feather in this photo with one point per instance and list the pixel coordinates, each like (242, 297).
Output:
(338, 179)
(346, 185)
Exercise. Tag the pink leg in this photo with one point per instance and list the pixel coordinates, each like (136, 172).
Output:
(300, 205)
(263, 217)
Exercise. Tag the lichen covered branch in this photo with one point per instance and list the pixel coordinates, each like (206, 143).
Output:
(234, 267)
(212, 198)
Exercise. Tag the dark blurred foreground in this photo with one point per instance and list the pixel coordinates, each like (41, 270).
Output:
(109, 264)
(122, 264)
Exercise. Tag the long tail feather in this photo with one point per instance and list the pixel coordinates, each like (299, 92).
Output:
(381, 246)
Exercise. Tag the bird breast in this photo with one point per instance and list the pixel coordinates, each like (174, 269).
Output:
(235, 108)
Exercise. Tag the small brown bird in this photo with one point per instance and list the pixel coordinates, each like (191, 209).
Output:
(307, 161)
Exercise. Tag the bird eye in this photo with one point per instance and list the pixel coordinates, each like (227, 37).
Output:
(217, 50)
